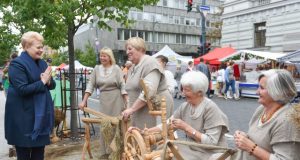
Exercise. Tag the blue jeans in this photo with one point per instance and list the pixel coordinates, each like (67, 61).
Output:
(231, 84)
(30, 153)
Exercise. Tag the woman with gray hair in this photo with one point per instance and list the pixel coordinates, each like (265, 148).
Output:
(199, 118)
(272, 133)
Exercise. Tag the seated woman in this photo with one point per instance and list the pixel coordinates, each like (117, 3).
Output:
(199, 117)
(272, 134)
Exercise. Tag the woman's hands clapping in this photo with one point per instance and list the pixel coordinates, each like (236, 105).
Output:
(46, 76)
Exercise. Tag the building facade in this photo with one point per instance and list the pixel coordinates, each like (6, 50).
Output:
(166, 23)
(267, 25)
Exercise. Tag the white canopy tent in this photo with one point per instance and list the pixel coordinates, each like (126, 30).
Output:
(265, 55)
(174, 59)
(173, 56)
(293, 57)
(78, 66)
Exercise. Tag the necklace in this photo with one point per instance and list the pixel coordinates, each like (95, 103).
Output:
(265, 117)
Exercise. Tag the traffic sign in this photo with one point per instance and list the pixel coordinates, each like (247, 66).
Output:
(204, 8)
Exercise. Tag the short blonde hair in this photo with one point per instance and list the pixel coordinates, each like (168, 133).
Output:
(137, 43)
(28, 38)
(110, 53)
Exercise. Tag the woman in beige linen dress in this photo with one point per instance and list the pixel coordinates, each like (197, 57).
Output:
(199, 117)
(108, 77)
(272, 134)
(147, 68)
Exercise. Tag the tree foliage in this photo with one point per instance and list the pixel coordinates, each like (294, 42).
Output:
(58, 21)
(7, 44)
(89, 57)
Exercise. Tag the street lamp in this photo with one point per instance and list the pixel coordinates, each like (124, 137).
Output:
(153, 37)
(97, 43)
(94, 25)
(203, 32)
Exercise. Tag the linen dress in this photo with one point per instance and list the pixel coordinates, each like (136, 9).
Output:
(279, 135)
(204, 118)
(136, 72)
(112, 87)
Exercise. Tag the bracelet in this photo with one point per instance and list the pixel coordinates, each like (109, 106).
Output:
(253, 148)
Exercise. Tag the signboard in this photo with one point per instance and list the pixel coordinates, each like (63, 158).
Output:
(204, 8)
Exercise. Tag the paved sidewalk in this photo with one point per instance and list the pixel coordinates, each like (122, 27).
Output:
(3, 143)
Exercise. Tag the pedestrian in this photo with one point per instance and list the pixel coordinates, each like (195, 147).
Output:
(128, 64)
(147, 68)
(171, 83)
(221, 79)
(29, 109)
(5, 73)
(230, 81)
(108, 77)
(190, 66)
(272, 133)
(177, 77)
(202, 67)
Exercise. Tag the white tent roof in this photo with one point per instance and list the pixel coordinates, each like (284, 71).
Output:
(172, 56)
(78, 65)
(265, 55)
(293, 57)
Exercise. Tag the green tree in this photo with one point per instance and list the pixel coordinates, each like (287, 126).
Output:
(58, 21)
(7, 43)
(89, 57)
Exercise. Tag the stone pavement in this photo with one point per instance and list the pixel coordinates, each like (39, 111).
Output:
(64, 150)
(3, 143)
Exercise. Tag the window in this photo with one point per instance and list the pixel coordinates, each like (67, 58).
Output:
(155, 37)
(176, 20)
(183, 39)
(262, 2)
(260, 34)
(178, 38)
(171, 19)
(165, 3)
(182, 20)
(160, 38)
(120, 34)
(133, 33)
(126, 34)
(147, 36)
(172, 38)
(141, 34)
(166, 38)
(187, 22)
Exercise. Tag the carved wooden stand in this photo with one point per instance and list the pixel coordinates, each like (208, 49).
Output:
(100, 117)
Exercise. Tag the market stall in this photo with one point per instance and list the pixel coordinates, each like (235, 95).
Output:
(294, 58)
(259, 62)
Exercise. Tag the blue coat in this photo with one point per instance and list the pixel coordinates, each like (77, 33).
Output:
(21, 108)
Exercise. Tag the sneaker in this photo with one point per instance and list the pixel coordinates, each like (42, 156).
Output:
(225, 97)
(229, 97)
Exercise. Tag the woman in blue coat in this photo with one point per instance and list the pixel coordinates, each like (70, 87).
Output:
(29, 109)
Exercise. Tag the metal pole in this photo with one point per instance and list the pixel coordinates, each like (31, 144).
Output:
(97, 45)
(203, 35)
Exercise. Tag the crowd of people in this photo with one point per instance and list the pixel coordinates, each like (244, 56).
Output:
(272, 132)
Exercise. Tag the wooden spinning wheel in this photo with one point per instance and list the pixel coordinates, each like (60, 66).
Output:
(135, 146)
